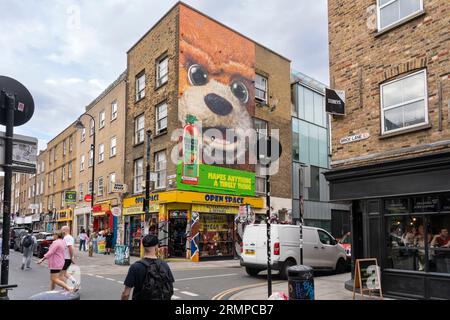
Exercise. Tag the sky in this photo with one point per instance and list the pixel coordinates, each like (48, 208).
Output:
(66, 52)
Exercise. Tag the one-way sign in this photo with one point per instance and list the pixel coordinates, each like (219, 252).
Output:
(335, 101)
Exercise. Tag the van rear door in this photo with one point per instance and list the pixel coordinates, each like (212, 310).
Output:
(252, 243)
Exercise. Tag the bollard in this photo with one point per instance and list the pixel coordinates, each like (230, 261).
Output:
(56, 295)
(301, 283)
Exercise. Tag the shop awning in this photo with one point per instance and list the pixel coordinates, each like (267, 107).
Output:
(82, 210)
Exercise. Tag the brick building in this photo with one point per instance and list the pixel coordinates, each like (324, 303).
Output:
(189, 66)
(392, 60)
(108, 111)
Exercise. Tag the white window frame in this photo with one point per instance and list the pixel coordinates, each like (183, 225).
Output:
(91, 127)
(50, 179)
(137, 179)
(112, 180)
(91, 158)
(64, 147)
(54, 178)
(100, 187)
(102, 119)
(80, 192)
(83, 134)
(82, 163)
(42, 187)
(160, 172)
(139, 131)
(90, 187)
(101, 152)
(383, 110)
(113, 147)
(114, 110)
(140, 91)
(162, 78)
(160, 129)
(63, 175)
(69, 170)
(257, 89)
(63, 199)
(396, 22)
(70, 144)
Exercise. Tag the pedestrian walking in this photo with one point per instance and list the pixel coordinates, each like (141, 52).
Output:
(28, 242)
(94, 242)
(69, 257)
(108, 241)
(150, 278)
(83, 238)
(55, 257)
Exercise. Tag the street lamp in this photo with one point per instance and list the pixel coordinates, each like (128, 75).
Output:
(80, 126)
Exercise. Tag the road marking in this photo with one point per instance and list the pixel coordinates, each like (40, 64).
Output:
(175, 289)
(223, 294)
(189, 293)
(110, 279)
(90, 274)
(100, 277)
(206, 277)
(175, 298)
(120, 282)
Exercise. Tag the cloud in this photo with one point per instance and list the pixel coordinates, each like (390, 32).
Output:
(69, 51)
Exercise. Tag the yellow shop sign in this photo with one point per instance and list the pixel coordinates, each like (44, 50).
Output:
(215, 209)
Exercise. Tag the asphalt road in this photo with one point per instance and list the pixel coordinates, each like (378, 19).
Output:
(190, 284)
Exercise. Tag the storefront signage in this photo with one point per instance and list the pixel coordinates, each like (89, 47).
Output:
(88, 198)
(119, 188)
(70, 197)
(215, 209)
(223, 199)
(354, 138)
(191, 146)
(63, 215)
(335, 101)
(213, 223)
(396, 206)
(425, 204)
(213, 179)
(445, 202)
(116, 212)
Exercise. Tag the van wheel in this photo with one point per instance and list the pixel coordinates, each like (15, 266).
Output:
(341, 266)
(252, 271)
(284, 270)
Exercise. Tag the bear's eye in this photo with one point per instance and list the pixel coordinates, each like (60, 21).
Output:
(198, 76)
(240, 91)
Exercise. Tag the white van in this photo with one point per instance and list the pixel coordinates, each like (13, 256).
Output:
(320, 250)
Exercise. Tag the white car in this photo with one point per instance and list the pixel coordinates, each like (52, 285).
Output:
(320, 250)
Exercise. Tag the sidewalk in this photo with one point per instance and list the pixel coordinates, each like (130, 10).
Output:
(325, 287)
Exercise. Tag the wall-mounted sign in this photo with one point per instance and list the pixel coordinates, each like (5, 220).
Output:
(354, 138)
(116, 212)
(213, 179)
(88, 198)
(119, 188)
(70, 197)
(335, 102)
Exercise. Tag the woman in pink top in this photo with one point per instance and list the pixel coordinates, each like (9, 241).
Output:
(55, 257)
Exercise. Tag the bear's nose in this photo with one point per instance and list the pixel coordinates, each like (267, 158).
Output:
(218, 105)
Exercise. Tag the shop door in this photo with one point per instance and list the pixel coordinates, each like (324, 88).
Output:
(177, 235)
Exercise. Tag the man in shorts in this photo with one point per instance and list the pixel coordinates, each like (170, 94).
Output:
(69, 258)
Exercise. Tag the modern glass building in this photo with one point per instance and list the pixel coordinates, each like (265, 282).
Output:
(311, 158)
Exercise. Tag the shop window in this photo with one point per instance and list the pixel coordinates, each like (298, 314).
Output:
(439, 251)
(216, 235)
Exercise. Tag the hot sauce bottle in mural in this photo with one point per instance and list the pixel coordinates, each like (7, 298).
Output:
(191, 148)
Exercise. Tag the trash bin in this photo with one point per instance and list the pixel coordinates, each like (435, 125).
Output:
(301, 283)
(56, 295)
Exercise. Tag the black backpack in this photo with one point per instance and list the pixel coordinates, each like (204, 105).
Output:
(27, 241)
(157, 284)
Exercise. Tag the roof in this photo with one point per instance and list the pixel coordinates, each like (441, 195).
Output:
(122, 77)
(303, 79)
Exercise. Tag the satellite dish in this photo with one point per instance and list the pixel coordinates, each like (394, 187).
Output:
(24, 104)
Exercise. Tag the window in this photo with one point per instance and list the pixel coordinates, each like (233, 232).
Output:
(140, 86)
(91, 127)
(114, 110)
(139, 129)
(82, 163)
(42, 166)
(113, 147)
(83, 134)
(314, 190)
(63, 175)
(50, 179)
(55, 150)
(100, 186)
(91, 158)
(112, 181)
(90, 187)
(69, 169)
(42, 186)
(260, 186)
(80, 192)
(102, 117)
(64, 147)
(261, 88)
(138, 175)
(70, 144)
(160, 169)
(404, 103)
(101, 152)
(63, 199)
(260, 127)
(162, 71)
(393, 11)
(161, 118)
(54, 178)
(325, 238)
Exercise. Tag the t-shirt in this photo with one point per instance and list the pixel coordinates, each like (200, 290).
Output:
(83, 236)
(442, 241)
(137, 272)
(69, 242)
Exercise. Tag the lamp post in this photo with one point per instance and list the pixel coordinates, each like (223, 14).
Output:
(147, 187)
(79, 125)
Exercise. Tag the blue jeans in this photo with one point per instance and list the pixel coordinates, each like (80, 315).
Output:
(83, 244)
(94, 244)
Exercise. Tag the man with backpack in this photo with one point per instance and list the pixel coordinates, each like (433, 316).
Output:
(28, 243)
(150, 277)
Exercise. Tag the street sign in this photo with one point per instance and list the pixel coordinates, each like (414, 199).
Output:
(116, 212)
(88, 198)
(119, 187)
(24, 108)
(335, 101)
(153, 176)
(24, 153)
(70, 197)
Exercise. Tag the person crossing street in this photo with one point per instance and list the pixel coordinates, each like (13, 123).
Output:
(28, 242)
(69, 257)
